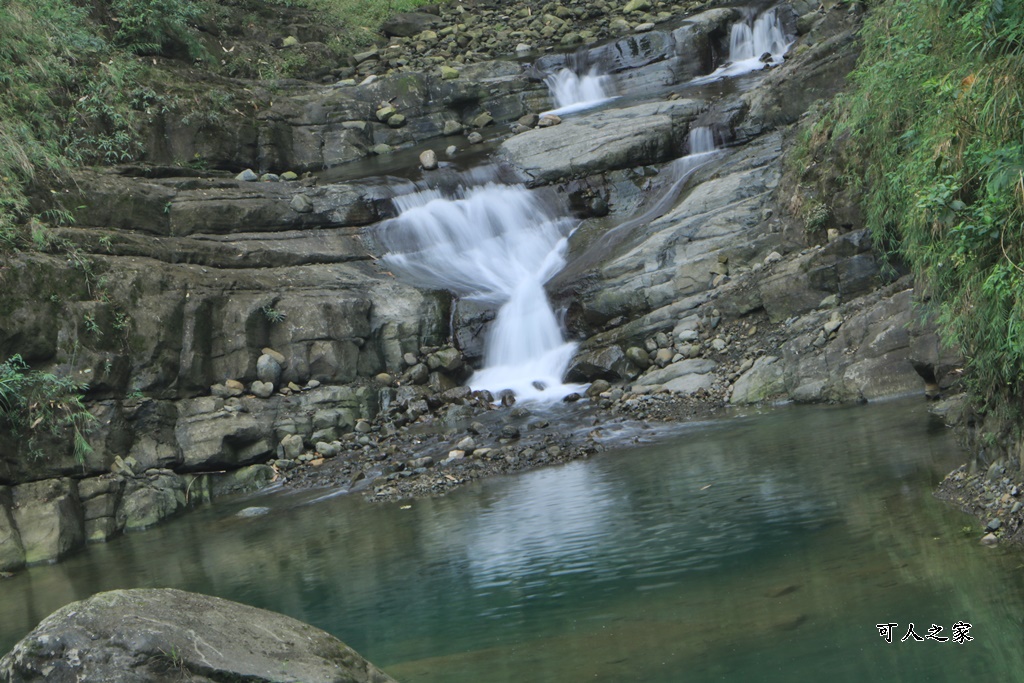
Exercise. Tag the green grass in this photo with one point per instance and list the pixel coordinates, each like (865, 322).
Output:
(932, 137)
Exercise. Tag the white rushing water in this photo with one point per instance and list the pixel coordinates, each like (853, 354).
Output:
(572, 91)
(498, 244)
(701, 140)
(749, 41)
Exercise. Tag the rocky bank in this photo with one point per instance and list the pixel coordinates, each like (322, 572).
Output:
(236, 328)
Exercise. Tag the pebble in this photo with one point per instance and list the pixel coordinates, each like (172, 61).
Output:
(510, 432)
(301, 204)
(261, 389)
(328, 450)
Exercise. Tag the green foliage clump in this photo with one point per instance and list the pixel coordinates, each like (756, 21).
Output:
(64, 100)
(933, 136)
(33, 403)
(148, 27)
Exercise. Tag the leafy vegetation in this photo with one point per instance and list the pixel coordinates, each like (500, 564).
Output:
(63, 101)
(149, 27)
(33, 403)
(931, 135)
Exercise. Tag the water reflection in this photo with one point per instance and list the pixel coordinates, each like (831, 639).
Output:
(764, 548)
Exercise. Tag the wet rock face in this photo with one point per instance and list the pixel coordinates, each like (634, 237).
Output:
(160, 635)
(619, 138)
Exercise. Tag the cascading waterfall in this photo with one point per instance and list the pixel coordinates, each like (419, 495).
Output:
(753, 43)
(765, 35)
(701, 140)
(572, 91)
(498, 244)
(578, 86)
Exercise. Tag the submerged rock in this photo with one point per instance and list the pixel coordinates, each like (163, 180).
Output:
(163, 634)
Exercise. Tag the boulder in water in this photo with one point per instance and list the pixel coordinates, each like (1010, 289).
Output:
(428, 160)
(163, 634)
(484, 119)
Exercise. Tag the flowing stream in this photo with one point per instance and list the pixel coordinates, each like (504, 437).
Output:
(762, 548)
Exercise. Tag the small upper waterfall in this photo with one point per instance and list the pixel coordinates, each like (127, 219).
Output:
(499, 244)
(753, 43)
(578, 85)
(701, 148)
(572, 91)
(751, 40)
(701, 140)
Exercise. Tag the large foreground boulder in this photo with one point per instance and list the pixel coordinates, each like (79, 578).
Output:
(165, 634)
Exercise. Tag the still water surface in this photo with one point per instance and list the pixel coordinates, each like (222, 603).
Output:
(759, 548)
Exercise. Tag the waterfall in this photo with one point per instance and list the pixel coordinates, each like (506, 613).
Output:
(764, 36)
(499, 244)
(749, 41)
(578, 85)
(572, 91)
(701, 140)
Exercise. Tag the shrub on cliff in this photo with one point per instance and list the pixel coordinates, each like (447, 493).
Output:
(33, 403)
(150, 27)
(933, 137)
(64, 100)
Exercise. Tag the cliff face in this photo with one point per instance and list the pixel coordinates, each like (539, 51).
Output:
(232, 321)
